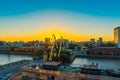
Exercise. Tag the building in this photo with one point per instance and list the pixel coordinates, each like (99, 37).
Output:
(104, 51)
(36, 72)
(3, 43)
(24, 49)
(92, 41)
(66, 43)
(117, 36)
(4, 49)
(17, 44)
(99, 41)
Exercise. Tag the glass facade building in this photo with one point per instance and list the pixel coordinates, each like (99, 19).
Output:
(117, 35)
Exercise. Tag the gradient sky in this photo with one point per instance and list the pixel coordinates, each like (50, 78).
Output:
(77, 20)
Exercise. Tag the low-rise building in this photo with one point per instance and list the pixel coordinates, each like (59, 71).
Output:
(24, 49)
(36, 72)
(105, 51)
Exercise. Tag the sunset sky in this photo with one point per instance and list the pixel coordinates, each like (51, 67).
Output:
(77, 20)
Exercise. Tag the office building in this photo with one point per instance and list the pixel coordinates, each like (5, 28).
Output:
(117, 36)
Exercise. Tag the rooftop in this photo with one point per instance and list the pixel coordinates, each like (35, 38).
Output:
(117, 27)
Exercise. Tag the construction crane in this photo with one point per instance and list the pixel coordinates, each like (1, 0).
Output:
(60, 47)
(57, 46)
(54, 44)
(53, 53)
(55, 49)
(49, 56)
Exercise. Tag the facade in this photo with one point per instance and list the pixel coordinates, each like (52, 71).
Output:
(105, 51)
(4, 49)
(41, 74)
(25, 49)
(117, 36)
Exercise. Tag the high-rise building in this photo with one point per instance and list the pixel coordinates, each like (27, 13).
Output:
(117, 35)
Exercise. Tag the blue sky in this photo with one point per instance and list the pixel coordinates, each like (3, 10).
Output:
(83, 18)
(92, 7)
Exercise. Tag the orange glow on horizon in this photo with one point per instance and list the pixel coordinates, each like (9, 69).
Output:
(41, 37)
(57, 31)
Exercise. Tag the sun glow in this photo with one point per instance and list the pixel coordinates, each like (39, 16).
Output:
(39, 25)
(57, 32)
(48, 32)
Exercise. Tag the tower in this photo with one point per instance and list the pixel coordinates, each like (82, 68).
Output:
(117, 36)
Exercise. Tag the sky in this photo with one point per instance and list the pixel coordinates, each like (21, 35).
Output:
(77, 20)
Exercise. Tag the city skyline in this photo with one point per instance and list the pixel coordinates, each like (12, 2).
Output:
(75, 20)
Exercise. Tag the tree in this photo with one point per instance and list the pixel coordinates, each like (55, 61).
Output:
(39, 52)
(65, 57)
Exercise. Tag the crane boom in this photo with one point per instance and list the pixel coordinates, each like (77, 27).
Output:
(55, 49)
(52, 49)
(61, 42)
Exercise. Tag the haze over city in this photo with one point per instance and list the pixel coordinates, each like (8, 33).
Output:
(75, 20)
